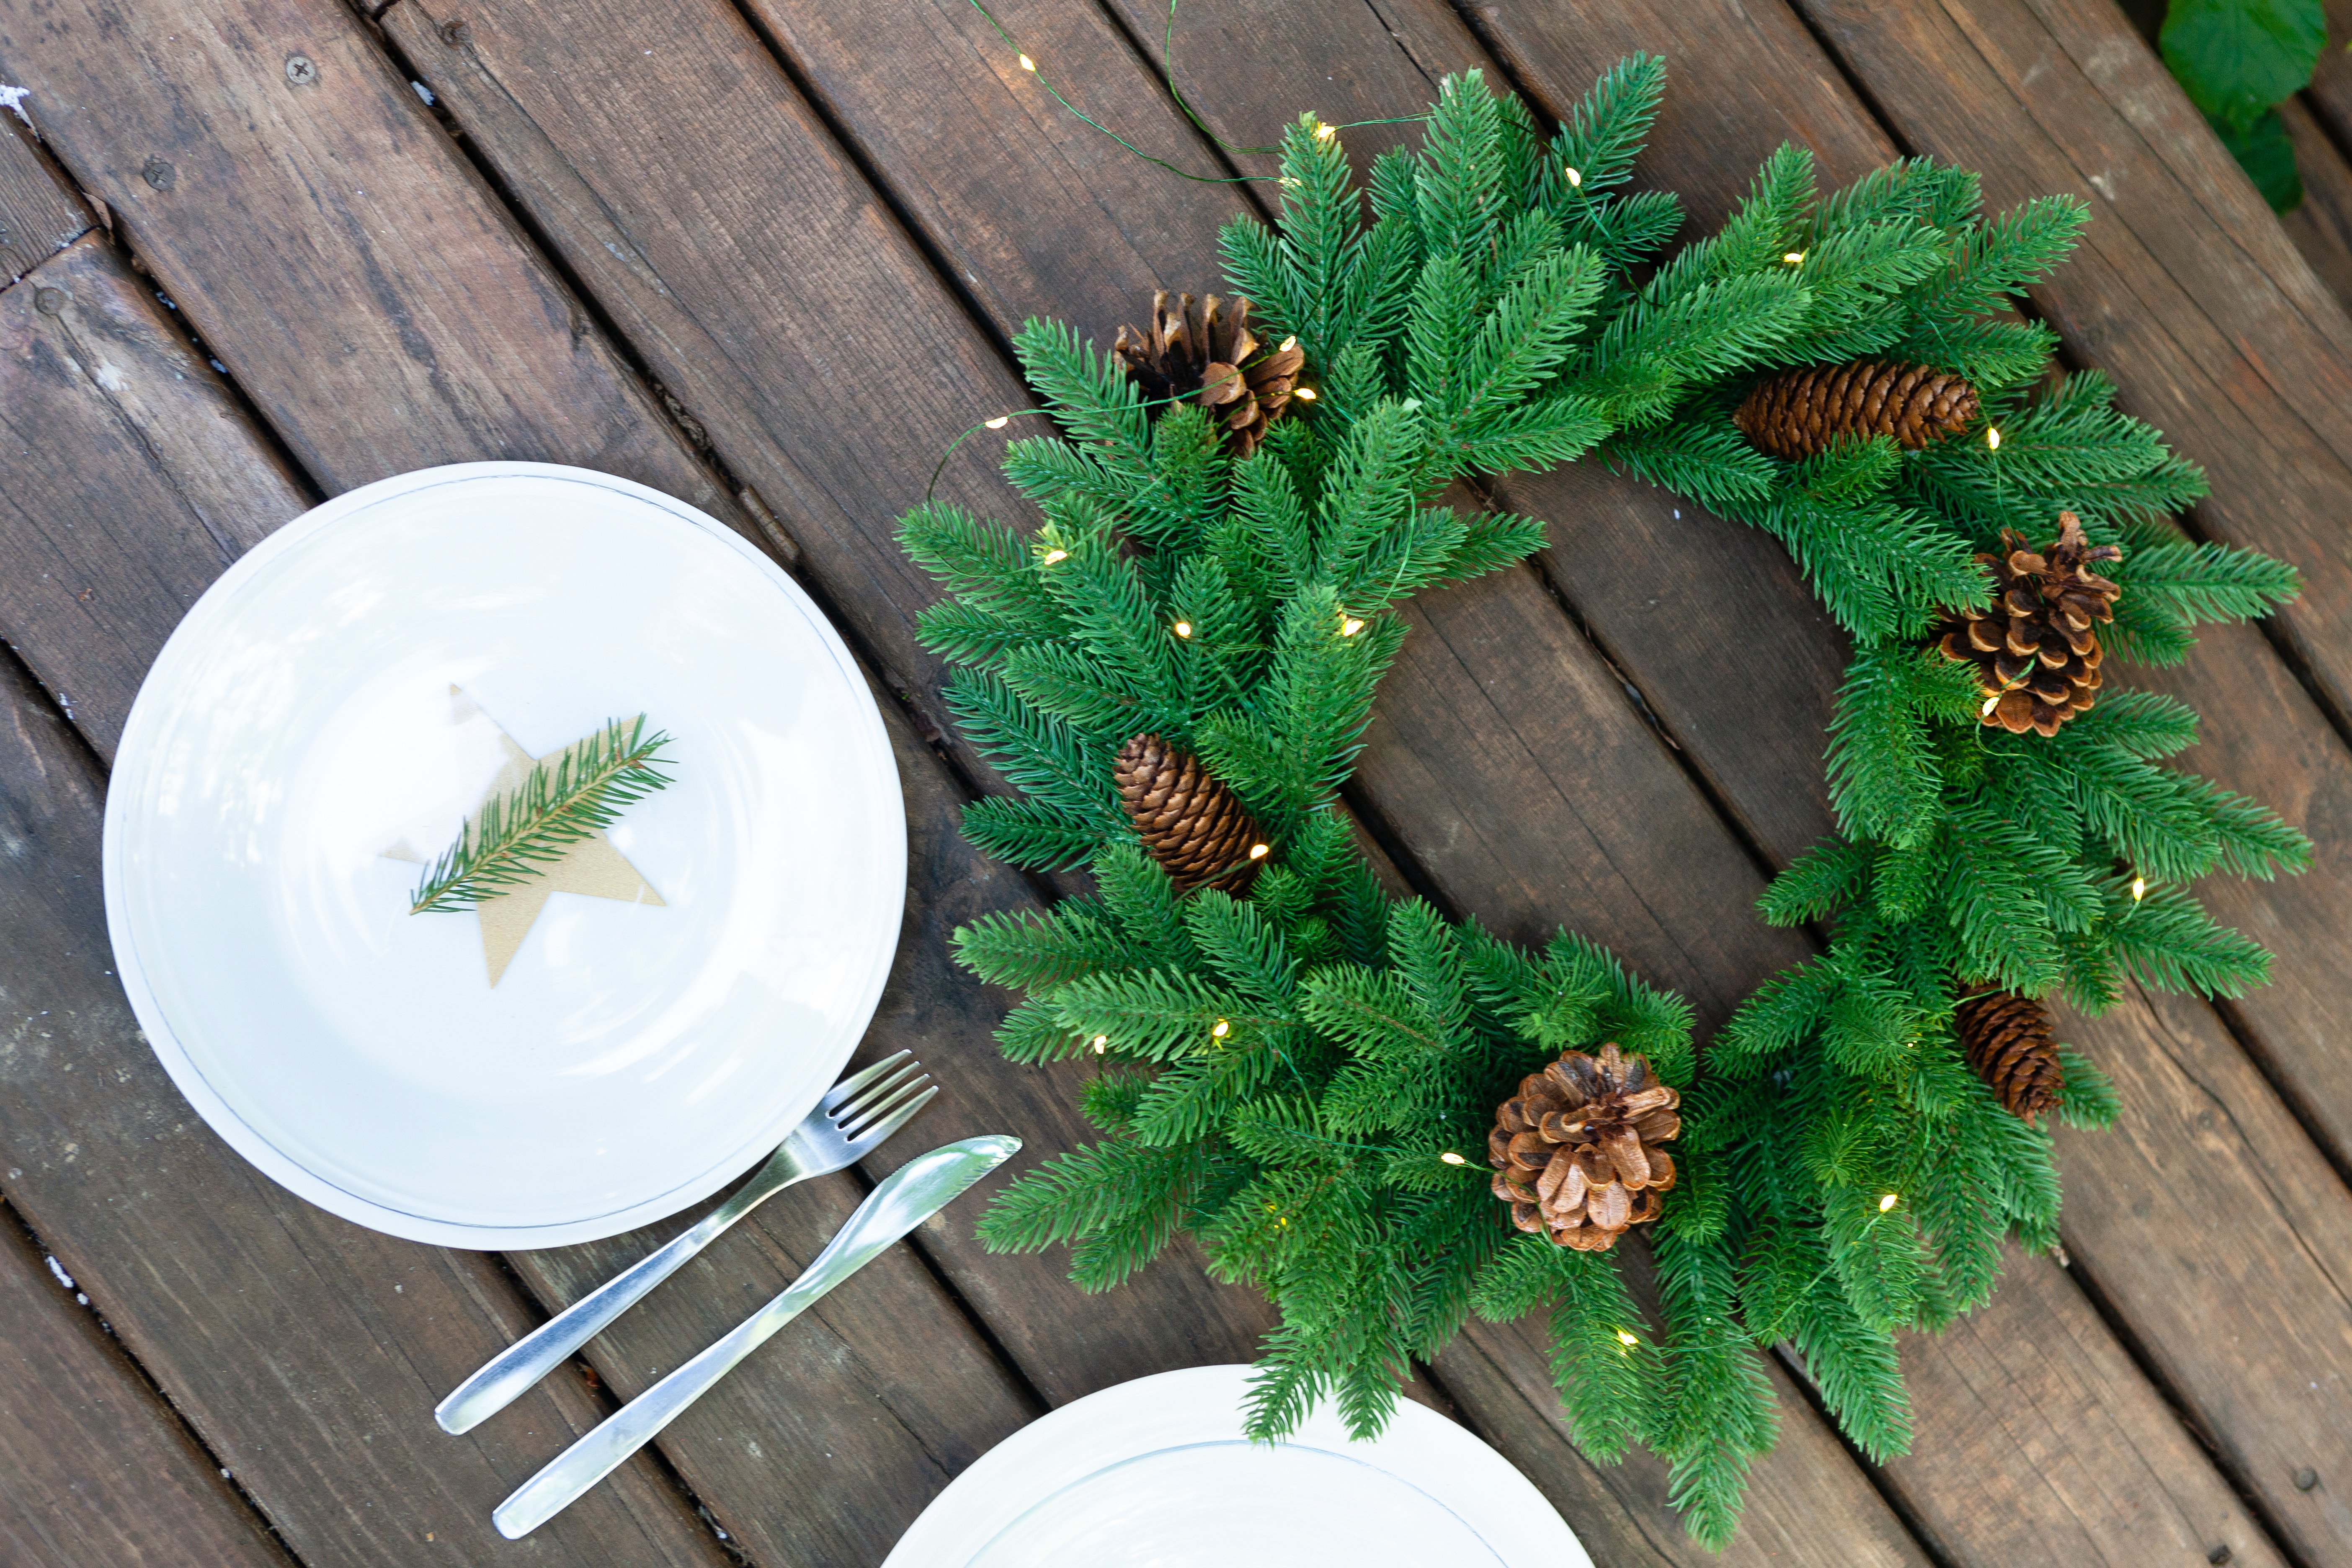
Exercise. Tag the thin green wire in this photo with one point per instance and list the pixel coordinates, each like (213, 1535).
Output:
(1042, 80)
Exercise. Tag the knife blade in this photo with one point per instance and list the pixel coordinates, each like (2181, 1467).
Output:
(908, 1197)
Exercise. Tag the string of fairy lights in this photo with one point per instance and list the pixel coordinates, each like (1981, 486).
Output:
(1348, 625)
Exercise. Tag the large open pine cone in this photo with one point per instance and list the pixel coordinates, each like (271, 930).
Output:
(1188, 821)
(1576, 1152)
(1798, 413)
(2036, 655)
(2008, 1042)
(1208, 348)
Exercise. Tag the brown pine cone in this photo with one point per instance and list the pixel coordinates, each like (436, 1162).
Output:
(1208, 349)
(2036, 655)
(1190, 822)
(1798, 413)
(2008, 1043)
(1576, 1152)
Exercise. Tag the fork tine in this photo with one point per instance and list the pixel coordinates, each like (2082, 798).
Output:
(857, 1080)
(867, 1095)
(868, 1115)
(891, 1123)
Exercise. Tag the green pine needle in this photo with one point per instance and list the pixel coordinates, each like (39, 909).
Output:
(565, 798)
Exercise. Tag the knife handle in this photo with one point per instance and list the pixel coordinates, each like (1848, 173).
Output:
(635, 1424)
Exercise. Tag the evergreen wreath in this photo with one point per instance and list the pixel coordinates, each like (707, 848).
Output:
(1302, 1072)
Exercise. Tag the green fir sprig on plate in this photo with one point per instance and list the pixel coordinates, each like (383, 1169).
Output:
(565, 798)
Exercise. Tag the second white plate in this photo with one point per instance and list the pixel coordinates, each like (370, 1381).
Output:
(331, 711)
(1155, 1474)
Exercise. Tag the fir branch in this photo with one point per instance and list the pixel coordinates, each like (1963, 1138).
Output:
(517, 834)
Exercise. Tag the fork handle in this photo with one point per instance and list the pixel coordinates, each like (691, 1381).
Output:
(507, 1376)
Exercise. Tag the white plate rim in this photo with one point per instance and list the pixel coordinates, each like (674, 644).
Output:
(1203, 1404)
(188, 1078)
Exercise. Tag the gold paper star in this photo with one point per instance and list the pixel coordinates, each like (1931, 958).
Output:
(592, 867)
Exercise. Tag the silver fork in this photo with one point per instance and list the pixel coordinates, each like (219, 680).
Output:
(854, 1116)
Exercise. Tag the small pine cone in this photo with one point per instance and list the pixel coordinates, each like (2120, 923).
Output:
(1208, 349)
(1798, 413)
(2007, 1039)
(1190, 822)
(2037, 658)
(1576, 1152)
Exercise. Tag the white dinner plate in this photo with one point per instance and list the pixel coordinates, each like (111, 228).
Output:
(326, 718)
(1156, 1474)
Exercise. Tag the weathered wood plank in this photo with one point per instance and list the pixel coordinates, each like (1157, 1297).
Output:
(427, 322)
(2251, 1334)
(541, 132)
(2322, 227)
(133, 478)
(180, 501)
(2329, 96)
(840, 1398)
(2095, 1492)
(106, 396)
(95, 1472)
(37, 218)
(306, 1351)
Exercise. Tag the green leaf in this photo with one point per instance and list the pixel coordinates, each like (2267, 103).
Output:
(2238, 58)
(2266, 151)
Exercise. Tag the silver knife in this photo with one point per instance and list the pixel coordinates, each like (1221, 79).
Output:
(905, 1198)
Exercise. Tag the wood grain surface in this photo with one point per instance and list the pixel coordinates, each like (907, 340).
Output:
(1559, 743)
(646, 190)
(106, 398)
(1652, 587)
(2322, 227)
(39, 217)
(905, 1435)
(2329, 96)
(972, 233)
(306, 1351)
(94, 1467)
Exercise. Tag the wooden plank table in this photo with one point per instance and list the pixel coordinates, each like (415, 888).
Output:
(766, 256)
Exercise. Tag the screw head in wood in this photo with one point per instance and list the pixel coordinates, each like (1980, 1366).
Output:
(2305, 1478)
(456, 35)
(49, 301)
(159, 174)
(301, 69)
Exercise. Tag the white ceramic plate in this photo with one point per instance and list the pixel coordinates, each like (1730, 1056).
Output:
(344, 695)
(1155, 1474)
